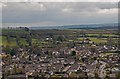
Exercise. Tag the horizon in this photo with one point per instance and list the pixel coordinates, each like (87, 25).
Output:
(59, 25)
(82, 26)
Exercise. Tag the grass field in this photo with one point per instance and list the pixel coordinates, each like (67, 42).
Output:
(102, 34)
(98, 40)
(23, 42)
(38, 42)
(72, 36)
(12, 41)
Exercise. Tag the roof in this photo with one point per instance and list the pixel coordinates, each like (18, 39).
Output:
(17, 76)
(74, 67)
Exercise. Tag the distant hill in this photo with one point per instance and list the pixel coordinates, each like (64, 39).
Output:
(89, 26)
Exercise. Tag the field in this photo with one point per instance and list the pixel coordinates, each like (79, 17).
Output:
(38, 37)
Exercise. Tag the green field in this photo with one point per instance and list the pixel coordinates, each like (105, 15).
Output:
(12, 41)
(23, 42)
(102, 34)
(98, 40)
(39, 37)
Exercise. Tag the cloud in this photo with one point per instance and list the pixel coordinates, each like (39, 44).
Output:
(60, 0)
(53, 13)
(108, 11)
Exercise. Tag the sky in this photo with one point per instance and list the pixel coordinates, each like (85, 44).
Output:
(58, 13)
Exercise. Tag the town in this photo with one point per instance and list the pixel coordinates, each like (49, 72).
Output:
(61, 54)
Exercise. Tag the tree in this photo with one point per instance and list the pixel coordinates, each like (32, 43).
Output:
(12, 52)
(100, 35)
(96, 76)
(17, 40)
(15, 68)
(107, 74)
(8, 39)
(26, 29)
(60, 38)
(29, 40)
(73, 53)
(8, 50)
(118, 75)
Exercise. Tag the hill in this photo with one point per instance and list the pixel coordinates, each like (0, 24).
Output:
(89, 26)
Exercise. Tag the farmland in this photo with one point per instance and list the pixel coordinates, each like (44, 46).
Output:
(41, 37)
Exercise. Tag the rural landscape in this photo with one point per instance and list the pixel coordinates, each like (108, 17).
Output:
(60, 53)
(60, 40)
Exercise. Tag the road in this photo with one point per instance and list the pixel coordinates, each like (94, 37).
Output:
(101, 70)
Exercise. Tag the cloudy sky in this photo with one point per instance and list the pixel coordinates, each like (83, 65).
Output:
(59, 13)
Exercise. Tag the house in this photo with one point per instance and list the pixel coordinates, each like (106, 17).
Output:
(19, 76)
